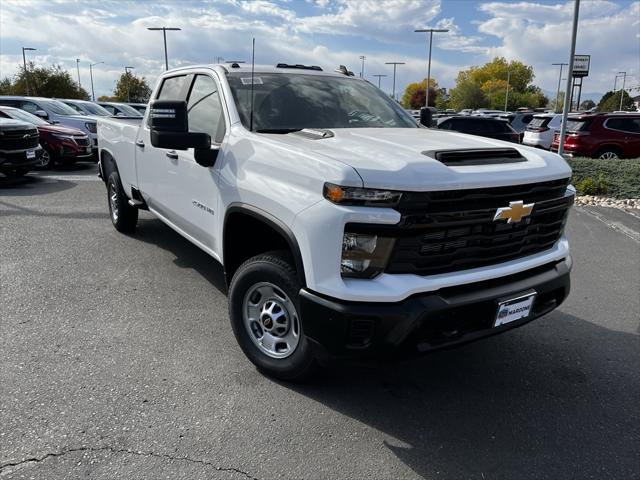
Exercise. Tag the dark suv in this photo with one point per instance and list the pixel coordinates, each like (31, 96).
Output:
(483, 126)
(19, 147)
(602, 135)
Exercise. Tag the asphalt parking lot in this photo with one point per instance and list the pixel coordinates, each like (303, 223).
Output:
(118, 361)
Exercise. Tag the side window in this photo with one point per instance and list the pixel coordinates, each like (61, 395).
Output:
(446, 125)
(623, 124)
(109, 108)
(29, 107)
(205, 109)
(636, 125)
(172, 88)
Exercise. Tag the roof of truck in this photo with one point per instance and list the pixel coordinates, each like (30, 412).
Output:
(246, 68)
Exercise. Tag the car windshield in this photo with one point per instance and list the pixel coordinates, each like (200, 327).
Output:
(18, 114)
(94, 109)
(284, 103)
(127, 110)
(59, 108)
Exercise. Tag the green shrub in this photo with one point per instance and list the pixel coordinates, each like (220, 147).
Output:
(616, 178)
(589, 186)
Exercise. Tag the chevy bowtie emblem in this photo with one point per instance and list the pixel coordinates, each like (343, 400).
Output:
(515, 212)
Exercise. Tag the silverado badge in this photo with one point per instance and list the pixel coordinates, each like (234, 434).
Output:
(515, 212)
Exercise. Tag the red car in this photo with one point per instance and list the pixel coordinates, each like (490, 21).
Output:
(60, 144)
(601, 135)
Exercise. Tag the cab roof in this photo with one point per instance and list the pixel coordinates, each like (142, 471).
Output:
(279, 68)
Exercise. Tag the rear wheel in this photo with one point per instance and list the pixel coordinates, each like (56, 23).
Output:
(123, 216)
(265, 317)
(609, 153)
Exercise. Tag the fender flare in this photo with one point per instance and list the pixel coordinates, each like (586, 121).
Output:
(274, 223)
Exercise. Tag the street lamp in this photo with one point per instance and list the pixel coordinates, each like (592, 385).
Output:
(91, 65)
(395, 64)
(164, 34)
(126, 73)
(24, 63)
(567, 91)
(506, 98)
(379, 77)
(430, 32)
(78, 69)
(559, 80)
(624, 78)
(362, 57)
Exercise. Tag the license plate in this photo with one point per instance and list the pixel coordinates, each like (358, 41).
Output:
(514, 309)
(31, 154)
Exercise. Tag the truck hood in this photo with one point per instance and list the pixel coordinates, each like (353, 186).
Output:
(393, 158)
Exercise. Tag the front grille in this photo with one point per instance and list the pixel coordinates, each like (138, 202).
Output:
(19, 139)
(82, 141)
(449, 231)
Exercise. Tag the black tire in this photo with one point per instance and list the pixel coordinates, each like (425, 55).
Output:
(276, 269)
(47, 160)
(609, 153)
(123, 216)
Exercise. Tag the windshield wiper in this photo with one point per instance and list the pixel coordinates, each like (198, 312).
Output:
(278, 130)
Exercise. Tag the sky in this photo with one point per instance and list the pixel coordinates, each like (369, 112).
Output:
(326, 33)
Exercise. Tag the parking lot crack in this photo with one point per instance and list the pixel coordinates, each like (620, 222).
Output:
(8, 467)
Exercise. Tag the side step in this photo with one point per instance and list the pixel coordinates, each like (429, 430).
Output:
(137, 201)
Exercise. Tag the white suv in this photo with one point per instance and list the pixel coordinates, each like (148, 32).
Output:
(539, 132)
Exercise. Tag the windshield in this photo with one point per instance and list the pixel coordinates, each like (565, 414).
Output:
(94, 109)
(127, 110)
(539, 122)
(292, 102)
(59, 108)
(25, 117)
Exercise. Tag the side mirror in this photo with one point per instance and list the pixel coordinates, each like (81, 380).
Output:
(426, 116)
(169, 125)
(41, 114)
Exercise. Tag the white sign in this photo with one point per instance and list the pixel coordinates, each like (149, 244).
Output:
(581, 65)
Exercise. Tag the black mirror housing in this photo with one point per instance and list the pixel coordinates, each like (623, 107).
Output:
(426, 116)
(169, 124)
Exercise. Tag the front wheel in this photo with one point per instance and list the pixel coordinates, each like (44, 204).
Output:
(265, 317)
(609, 153)
(123, 216)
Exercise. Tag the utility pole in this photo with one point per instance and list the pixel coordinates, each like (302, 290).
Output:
(362, 57)
(395, 64)
(91, 65)
(24, 63)
(559, 80)
(379, 77)
(572, 55)
(164, 35)
(624, 78)
(78, 69)
(430, 32)
(506, 98)
(127, 78)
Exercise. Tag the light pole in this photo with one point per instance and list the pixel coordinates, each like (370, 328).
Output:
(164, 34)
(567, 92)
(24, 63)
(430, 32)
(91, 65)
(395, 64)
(506, 98)
(379, 77)
(624, 78)
(126, 73)
(559, 80)
(78, 69)
(362, 57)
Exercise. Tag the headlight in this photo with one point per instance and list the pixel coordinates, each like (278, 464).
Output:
(368, 197)
(64, 137)
(91, 126)
(364, 255)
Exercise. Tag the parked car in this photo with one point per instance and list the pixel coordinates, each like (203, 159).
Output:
(87, 108)
(539, 132)
(60, 144)
(601, 135)
(140, 107)
(54, 111)
(19, 147)
(485, 112)
(345, 229)
(480, 125)
(518, 120)
(120, 109)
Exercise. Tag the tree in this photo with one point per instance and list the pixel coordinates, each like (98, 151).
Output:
(51, 81)
(131, 88)
(587, 105)
(107, 98)
(6, 86)
(414, 95)
(467, 94)
(611, 101)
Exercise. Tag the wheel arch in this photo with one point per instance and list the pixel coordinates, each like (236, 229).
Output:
(610, 146)
(241, 214)
(106, 165)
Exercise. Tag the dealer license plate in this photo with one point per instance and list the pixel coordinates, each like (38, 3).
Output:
(514, 309)
(31, 154)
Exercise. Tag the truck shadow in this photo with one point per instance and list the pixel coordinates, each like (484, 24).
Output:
(559, 398)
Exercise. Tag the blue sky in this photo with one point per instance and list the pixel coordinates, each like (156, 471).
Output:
(323, 32)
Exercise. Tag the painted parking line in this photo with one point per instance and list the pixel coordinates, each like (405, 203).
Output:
(71, 178)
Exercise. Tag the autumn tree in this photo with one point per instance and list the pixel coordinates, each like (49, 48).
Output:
(131, 88)
(415, 94)
(51, 81)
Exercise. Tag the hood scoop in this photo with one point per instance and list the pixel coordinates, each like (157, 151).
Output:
(476, 156)
(314, 133)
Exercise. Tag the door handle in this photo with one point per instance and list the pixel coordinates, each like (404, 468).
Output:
(140, 143)
(172, 154)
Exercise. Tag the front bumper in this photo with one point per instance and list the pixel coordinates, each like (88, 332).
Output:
(428, 321)
(18, 158)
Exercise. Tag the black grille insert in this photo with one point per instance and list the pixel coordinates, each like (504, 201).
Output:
(19, 139)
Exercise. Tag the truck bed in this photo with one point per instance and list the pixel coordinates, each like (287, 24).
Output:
(117, 138)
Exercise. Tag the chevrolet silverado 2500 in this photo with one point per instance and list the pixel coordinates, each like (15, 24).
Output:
(345, 229)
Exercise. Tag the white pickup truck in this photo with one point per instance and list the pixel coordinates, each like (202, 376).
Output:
(346, 230)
